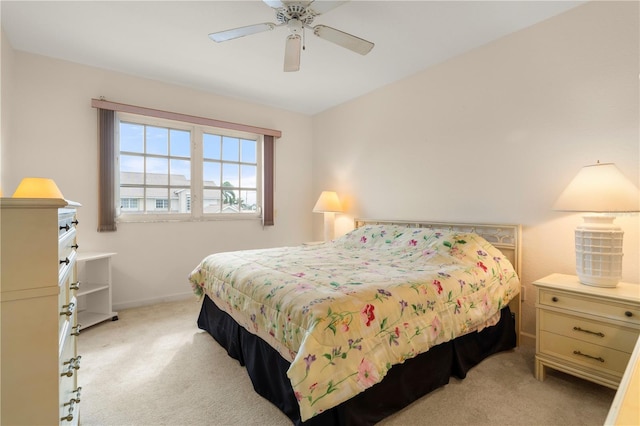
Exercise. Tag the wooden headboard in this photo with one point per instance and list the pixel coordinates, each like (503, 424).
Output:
(507, 238)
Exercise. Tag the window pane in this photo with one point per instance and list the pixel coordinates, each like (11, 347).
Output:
(131, 199)
(230, 199)
(230, 149)
(248, 201)
(211, 201)
(231, 174)
(180, 172)
(248, 176)
(180, 200)
(211, 172)
(131, 169)
(157, 140)
(157, 200)
(157, 171)
(248, 151)
(180, 143)
(131, 137)
(211, 146)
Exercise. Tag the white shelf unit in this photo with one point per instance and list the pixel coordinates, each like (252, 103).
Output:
(94, 295)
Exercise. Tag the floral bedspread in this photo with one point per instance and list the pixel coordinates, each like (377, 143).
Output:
(344, 312)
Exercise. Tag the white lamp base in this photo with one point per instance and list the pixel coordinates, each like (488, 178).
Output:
(329, 225)
(599, 251)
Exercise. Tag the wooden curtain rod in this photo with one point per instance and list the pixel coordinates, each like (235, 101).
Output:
(114, 106)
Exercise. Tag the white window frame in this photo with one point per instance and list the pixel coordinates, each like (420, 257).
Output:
(197, 161)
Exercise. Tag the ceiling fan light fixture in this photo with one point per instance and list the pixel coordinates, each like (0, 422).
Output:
(292, 53)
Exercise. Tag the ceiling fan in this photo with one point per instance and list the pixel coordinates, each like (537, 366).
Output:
(296, 16)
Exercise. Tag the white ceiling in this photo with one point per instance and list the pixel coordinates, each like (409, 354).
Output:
(167, 41)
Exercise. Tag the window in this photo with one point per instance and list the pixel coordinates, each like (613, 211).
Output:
(180, 171)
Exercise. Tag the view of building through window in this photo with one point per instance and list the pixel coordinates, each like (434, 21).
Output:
(157, 165)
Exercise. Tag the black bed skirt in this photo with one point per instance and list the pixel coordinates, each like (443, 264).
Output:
(403, 384)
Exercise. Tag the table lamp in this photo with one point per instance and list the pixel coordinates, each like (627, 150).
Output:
(37, 187)
(329, 204)
(601, 191)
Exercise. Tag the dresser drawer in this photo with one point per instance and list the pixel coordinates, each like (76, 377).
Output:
(66, 221)
(587, 305)
(66, 252)
(69, 363)
(592, 356)
(66, 317)
(599, 333)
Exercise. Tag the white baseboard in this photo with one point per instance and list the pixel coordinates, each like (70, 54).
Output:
(153, 301)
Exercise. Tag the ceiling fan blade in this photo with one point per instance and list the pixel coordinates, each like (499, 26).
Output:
(292, 53)
(276, 4)
(343, 39)
(221, 36)
(319, 7)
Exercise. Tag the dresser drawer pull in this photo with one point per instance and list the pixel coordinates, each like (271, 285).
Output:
(73, 364)
(76, 330)
(77, 392)
(65, 227)
(75, 246)
(589, 356)
(628, 314)
(75, 222)
(71, 402)
(74, 286)
(69, 309)
(554, 299)
(599, 334)
(65, 261)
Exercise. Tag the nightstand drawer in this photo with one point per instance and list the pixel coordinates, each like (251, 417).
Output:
(591, 306)
(595, 357)
(595, 332)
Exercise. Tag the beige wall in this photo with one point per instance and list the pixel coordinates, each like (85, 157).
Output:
(53, 134)
(495, 135)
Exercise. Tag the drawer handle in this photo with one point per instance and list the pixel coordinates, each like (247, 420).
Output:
(554, 299)
(75, 286)
(628, 314)
(65, 261)
(71, 402)
(599, 334)
(589, 356)
(76, 329)
(77, 392)
(67, 418)
(75, 222)
(75, 246)
(65, 227)
(69, 309)
(73, 364)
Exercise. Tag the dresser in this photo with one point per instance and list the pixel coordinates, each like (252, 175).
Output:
(589, 332)
(38, 349)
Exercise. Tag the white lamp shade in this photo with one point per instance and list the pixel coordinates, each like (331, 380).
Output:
(599, 188)
(328, 202)
(33, 187)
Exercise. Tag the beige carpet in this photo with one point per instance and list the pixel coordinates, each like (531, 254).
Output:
(154, 367)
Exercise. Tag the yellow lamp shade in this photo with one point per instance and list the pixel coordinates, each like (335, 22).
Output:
(35, 187)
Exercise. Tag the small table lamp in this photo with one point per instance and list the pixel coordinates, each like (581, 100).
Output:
(37, 187)
(599, 189)
(329, 204)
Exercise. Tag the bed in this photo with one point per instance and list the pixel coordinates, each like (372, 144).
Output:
(350, 331)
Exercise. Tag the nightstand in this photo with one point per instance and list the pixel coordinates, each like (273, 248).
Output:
(589, 332)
